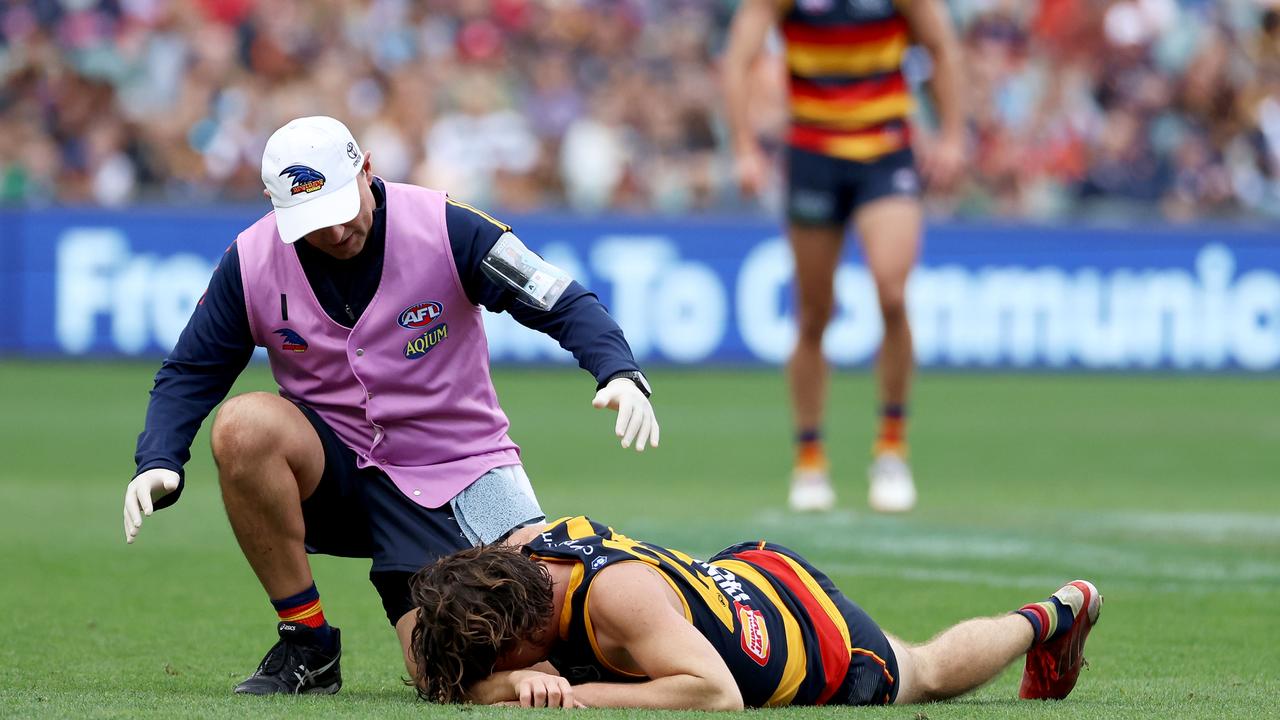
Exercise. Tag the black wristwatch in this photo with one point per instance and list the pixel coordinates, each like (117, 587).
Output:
(634, 376)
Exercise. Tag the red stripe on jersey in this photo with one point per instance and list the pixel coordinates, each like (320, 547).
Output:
(831, 644)
(851, 91)
(853, 34)
(810, 133)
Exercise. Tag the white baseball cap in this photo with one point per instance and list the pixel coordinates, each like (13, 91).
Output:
(309, 166)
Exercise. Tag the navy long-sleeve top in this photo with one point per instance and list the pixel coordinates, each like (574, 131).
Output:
(216, 345)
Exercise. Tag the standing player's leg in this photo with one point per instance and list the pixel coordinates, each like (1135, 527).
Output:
(1050, 633)
(818, 205)
(889, 229)
(817, 253)
(270, 460)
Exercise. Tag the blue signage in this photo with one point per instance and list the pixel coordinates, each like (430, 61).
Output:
(694, 290)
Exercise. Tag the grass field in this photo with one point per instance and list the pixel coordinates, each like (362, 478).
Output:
(1165, 491)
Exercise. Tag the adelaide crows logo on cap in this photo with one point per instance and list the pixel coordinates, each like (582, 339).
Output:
(292, 340)
(305, 179)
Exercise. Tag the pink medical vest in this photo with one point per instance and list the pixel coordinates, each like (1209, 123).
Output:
(408, 387)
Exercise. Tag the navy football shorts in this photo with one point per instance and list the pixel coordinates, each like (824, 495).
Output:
(824, 190)
(359, 513)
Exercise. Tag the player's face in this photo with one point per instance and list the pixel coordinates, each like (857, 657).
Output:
(345, 241)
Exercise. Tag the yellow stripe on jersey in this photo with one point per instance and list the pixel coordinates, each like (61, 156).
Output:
(579, 527)
(863, 148)
(505, 227)
(575, 581)
(811, 60)
(793, 673)
(851, 115)
(811, 584)
(556, 523)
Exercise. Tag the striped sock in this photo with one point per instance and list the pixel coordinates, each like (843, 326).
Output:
(305, 609)
(893, 429)
(809, 451)
(1050, 619)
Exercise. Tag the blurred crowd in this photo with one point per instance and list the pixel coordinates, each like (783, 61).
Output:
(1107, 108)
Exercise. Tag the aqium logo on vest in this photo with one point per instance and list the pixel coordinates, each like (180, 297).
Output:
(423, 344)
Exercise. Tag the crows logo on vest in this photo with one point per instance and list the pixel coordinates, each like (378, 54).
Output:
(305, 179)
(420, 315)
(423, 344)
(292, 340)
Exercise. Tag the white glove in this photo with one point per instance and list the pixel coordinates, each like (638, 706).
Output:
(140, 496)
(635, 415)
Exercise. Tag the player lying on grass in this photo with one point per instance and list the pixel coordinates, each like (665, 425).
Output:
(573, 614)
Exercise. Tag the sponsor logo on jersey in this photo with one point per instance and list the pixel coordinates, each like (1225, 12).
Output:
(291, 340)
(755, 636)
(599, 562)
(420, 315)
(423, 344)
(305, 179)
(727, 582)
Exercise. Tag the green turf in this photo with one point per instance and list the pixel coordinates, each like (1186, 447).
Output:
(1163, 490)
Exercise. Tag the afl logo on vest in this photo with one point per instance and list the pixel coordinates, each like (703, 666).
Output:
(422, 344)
(420, 315)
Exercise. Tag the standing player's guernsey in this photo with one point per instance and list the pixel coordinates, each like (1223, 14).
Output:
(848, 97)
(787, 634)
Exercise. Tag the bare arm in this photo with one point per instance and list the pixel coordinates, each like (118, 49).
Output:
(931, 28)
(505, 686)
(751, 24)
(631, 612)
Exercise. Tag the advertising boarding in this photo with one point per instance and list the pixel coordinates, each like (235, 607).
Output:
(90, 283)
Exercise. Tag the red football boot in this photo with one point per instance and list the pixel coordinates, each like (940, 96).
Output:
(1053, 667)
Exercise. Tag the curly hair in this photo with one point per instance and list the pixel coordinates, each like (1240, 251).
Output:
(473, 606)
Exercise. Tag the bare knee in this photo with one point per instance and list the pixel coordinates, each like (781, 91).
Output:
(893, 301)
(812, 321)
(246, 427)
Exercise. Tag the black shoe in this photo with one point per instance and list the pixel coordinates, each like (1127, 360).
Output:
(296, 665)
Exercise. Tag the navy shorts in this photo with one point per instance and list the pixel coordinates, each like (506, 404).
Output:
(824, 190)
(360, 513)
(872, 678)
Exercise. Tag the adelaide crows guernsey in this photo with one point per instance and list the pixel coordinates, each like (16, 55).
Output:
(848, 96)
(768, 613)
